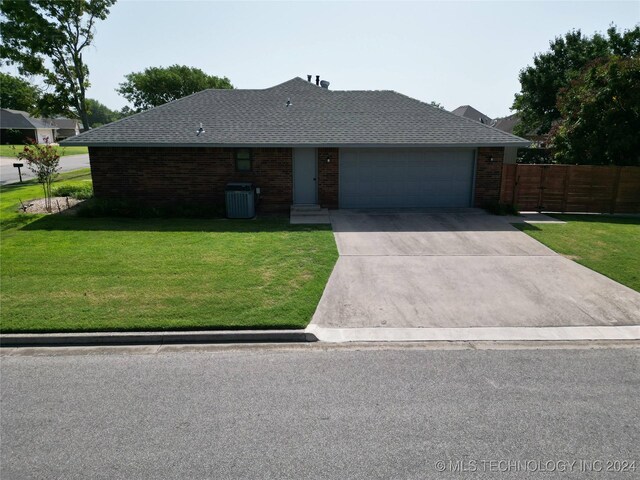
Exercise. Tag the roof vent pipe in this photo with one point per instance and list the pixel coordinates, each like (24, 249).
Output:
(309, 78)
(317, 79)
(324, 84)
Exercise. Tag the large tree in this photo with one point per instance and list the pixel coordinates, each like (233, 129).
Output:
(555, 69)
(100, 114)
(47, 38)
(158, 85)
(601, 115)
(17, 94)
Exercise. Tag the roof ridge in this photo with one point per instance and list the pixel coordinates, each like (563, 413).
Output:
(291, 81)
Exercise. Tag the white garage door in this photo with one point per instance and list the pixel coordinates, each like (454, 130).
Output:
(390, 178)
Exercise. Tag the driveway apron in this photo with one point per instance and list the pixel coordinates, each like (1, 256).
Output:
(459, 268)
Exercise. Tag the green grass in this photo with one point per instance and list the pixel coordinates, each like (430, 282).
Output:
(12, 150)
(609, 245)
(67, 273)
(12, 194)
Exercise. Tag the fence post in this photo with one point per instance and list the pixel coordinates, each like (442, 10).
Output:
(616, 188)
(514, 195)
(541, 188)
(565, 192)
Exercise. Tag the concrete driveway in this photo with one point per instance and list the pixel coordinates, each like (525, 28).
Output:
(462, 268)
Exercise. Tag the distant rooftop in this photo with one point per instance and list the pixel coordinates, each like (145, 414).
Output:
(506, 124)
(19, 120)
(467, 111)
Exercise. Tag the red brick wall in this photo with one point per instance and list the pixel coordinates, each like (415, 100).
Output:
(328, 177)
(488, 175)
(188, 175)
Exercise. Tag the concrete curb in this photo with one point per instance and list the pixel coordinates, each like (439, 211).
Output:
(476, 334)
(155, 338)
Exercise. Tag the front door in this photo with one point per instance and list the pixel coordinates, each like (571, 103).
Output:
(304, 176)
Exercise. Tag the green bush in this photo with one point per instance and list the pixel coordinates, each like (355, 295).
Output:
(535, 155)
(77, 190)
(122, 208)
(497, 208)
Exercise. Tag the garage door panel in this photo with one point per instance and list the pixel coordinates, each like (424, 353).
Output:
(405, 179)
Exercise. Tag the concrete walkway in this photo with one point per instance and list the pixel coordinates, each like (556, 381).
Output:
(460, 270)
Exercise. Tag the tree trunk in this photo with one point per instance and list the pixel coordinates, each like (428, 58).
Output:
(85, 119)
(84, 116)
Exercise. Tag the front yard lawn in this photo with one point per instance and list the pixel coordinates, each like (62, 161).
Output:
(607, 244)
(67, 273)
(12, 150)
(11, 195)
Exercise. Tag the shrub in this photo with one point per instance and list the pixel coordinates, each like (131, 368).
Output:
(13, 136)
(497, 208)
(535, 155)
(43, 160)
(77, 190)
(122, 208)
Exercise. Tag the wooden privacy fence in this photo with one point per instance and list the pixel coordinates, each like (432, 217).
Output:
(572, 188)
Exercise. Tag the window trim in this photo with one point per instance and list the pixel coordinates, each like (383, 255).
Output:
(236, 158)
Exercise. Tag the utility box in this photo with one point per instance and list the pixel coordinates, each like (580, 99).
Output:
(240, 199)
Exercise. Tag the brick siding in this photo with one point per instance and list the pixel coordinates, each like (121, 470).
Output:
(488, 175)
(328, 177)
(155, 176)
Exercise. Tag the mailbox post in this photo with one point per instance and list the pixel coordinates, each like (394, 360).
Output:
(19, 166)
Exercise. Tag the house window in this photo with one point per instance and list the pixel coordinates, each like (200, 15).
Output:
(243, 159)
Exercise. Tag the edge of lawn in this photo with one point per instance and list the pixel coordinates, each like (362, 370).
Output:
(624, 219)
(12, 221)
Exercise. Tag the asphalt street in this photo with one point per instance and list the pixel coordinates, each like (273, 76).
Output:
(321, 412)
(9, 174)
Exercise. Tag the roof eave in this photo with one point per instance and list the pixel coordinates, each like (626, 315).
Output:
(71, 142)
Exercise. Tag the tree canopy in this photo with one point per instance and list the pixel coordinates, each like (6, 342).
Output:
(99, 114)
(47, 38)
(555, 69)
(600, 113)
(158, 85)
(17, 94)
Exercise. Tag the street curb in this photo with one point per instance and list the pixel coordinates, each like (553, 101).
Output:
(155, 338)
(475, 334)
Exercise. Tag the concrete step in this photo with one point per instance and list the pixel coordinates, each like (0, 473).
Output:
(309, 214)
(305, 207)
(309, 210)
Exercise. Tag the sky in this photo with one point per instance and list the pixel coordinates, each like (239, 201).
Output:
(454, 53)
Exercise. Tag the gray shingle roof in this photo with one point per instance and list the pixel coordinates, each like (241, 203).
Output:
(468, 111)
(20, 120)
(507, 124)
(316, 117)
(64, 123)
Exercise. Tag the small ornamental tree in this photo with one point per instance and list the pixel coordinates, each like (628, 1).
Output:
(43, 160)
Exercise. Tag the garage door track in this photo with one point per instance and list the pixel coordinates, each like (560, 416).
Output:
(459, 268)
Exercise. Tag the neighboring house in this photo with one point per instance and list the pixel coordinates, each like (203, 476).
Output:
(17, 127)
(468, 111)
(507, 124)
(300, 144)
(66, 127)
